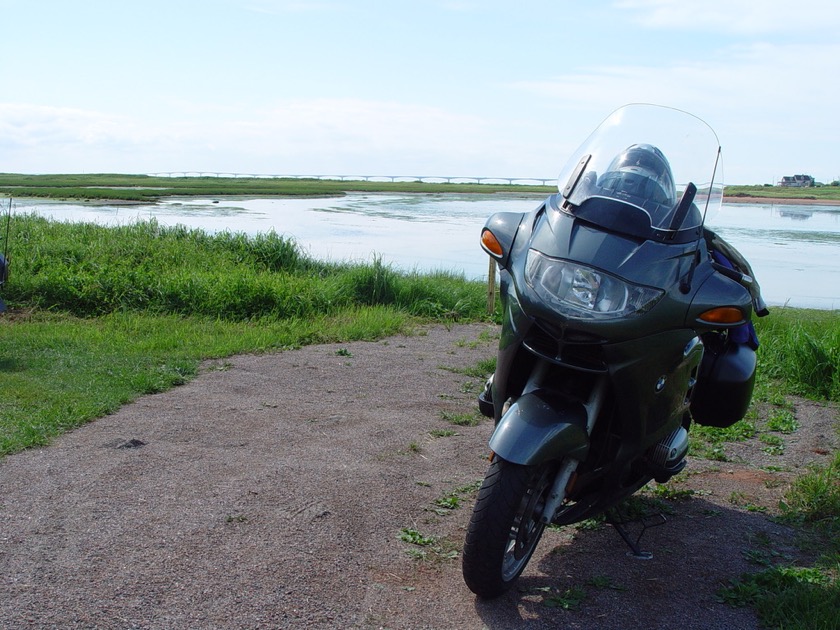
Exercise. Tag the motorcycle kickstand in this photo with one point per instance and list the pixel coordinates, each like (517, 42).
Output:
(614, 518)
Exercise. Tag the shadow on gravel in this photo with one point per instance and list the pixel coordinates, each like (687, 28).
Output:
(586, 578)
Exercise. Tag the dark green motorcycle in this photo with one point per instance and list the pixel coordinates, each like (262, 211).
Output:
(624, 321)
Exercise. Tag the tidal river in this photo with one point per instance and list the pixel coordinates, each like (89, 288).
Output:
(794, 249)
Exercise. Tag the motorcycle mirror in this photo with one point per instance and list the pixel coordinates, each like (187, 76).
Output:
(683, 207)
(575, 177)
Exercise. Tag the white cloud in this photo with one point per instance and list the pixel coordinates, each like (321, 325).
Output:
(738, 16)
(772, 105)
(321, 136)
(766, 76)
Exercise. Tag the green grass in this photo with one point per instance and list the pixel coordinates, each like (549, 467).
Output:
(146, 188)
(570, 599)
(469, 419)
(414, 537)
(152, 302)
(60, 371)
(814, 499)
(102, 315)
(89, 270)
(428, 548)
(801, 349)
(825, 193)
(788, 596)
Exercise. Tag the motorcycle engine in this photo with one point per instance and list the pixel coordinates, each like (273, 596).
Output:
(667, 457)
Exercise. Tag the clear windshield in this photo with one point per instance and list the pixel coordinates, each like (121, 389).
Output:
(639, 162)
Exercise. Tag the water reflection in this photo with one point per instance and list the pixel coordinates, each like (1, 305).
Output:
(796, 215)
(795, 250)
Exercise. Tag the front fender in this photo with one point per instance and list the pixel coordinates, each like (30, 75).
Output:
(541, 426)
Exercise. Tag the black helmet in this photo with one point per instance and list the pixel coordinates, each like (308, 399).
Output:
(641, 173)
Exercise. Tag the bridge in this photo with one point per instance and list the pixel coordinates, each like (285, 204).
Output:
(429, 179)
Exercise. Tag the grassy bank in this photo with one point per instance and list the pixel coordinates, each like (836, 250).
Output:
(61, 371)
(90, 270)
(144, 188)
(147, 188)
(821, 193)
(801, 349)
(102, 315)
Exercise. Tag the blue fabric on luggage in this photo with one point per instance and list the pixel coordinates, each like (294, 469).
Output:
(745, 333)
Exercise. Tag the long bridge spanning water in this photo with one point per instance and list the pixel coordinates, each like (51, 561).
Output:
(429, 179)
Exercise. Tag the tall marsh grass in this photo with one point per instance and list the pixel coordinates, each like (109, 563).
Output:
(802, 349)
(89, 270)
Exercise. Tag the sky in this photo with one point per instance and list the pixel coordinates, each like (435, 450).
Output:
(459, 88)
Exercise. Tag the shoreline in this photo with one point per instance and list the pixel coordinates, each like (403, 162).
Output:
(777, 201)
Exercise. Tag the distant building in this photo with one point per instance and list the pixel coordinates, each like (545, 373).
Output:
(797, 181)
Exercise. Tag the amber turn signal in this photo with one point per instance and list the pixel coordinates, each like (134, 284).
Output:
(491, 244)
(723, 315)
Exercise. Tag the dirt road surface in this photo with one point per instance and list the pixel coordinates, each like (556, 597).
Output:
(278, 491)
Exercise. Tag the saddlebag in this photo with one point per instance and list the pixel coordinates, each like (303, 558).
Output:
(725, 382)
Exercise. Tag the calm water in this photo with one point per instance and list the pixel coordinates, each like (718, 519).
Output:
(794, 250)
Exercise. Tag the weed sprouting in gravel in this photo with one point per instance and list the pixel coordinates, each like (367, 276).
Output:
(462, 419)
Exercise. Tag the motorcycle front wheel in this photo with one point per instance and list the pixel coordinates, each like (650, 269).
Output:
(505, 526)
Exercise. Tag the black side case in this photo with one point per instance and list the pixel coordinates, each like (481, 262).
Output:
(724, 384)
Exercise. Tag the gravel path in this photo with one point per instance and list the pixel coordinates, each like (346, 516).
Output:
(271, 492)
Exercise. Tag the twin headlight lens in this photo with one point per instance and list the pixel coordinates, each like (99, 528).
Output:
(581, 292)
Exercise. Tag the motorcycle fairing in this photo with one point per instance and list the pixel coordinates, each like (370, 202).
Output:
(562, 236)
(654, 384)
(637, 259)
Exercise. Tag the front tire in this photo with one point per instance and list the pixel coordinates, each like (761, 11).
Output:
(505, 526)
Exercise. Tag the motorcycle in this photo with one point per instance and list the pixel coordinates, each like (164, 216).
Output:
(624, 320)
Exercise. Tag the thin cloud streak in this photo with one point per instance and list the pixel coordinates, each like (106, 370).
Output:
(746, 17)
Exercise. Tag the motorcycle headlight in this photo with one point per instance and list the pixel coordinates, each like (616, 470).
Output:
(581, 292)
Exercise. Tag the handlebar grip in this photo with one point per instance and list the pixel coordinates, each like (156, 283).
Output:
(733, 274)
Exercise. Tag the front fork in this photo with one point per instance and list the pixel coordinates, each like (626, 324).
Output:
(560, 487)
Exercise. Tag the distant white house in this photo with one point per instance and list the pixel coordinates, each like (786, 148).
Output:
(797, 181)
